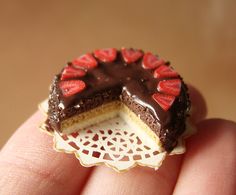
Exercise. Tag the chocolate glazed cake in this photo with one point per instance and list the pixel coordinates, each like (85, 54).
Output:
(99, 85)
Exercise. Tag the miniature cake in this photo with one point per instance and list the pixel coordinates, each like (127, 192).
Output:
(140, 87)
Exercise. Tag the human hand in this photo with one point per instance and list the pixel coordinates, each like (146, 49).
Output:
(29, 165)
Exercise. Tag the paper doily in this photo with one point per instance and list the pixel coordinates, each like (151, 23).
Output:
(113, 143)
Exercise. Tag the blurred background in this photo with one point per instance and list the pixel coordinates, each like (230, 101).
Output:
(38, 37)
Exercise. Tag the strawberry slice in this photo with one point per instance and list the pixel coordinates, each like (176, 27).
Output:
(106, 55)
(131, 55)
(70, 72)
(164, 101)
(86, 61)
(151, 61)
(164, 71)
(171, 87)
(71, 87)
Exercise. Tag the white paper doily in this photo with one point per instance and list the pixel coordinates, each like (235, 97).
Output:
(113, 143)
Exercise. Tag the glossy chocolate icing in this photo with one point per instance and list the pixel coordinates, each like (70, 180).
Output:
(134, 86)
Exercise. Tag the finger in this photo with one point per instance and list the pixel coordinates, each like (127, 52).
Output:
(29, 165)
(209, 164)
(198, 105)
(142, 180)
(139, 180)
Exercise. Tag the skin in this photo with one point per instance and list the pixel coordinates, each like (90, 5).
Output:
(29, 165)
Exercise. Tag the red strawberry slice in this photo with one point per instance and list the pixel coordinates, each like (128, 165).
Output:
(151, 61)
(131, 55)
(164, 71)
(85, 61)
(164, 101)
(71, 87)
(171, 87)
(70, 72)
(106, 55)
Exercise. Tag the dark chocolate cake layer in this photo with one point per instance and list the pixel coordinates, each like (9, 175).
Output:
(133, 84)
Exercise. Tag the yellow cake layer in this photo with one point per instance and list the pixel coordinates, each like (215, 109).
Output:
(105, 112)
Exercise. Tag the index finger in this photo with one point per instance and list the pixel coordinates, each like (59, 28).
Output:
(29, 165)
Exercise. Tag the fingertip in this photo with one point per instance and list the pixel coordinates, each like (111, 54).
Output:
(198, 105)
(211, 132)
(217, 123)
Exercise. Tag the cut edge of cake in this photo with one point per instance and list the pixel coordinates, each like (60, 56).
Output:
(102, 113)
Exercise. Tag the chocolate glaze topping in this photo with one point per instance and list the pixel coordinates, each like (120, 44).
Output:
(129, 83)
